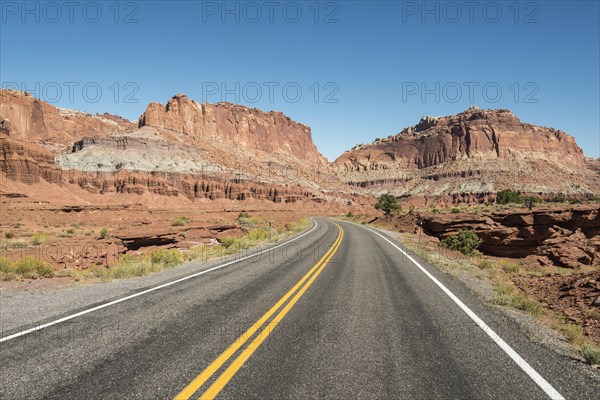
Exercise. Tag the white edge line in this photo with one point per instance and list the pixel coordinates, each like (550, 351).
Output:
(164, 285)
(533, 374)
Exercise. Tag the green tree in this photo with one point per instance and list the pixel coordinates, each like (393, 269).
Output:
(387, 203)
(508, 196)
(465, 241)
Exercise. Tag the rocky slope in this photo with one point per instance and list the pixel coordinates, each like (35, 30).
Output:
(593, 164)
(180, 156)
(469, 157)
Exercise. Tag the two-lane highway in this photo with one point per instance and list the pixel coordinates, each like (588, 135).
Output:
(339, 313)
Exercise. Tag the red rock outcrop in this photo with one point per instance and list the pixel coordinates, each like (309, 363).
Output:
(476, 152)
(567, 237)
(271, 132)
(26, 162)
(36, 121)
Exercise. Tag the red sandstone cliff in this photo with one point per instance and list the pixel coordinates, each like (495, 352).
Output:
(271, 132)
(27, 118)
(477, 152)
(224, 152)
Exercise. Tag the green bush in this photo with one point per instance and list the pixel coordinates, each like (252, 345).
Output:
(508, 196)
(349, 215)
(38, 239)
(70, 231)
(180, 221)
(387, 203)
(455, 210)
(103, 233)
(465, 241)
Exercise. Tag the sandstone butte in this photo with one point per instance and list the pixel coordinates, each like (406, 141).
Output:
(188, 151)
(469, 157)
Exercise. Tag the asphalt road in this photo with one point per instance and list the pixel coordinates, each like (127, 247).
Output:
(338, 314)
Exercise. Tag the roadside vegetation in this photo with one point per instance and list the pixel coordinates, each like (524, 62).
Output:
(465, 241)
(26, 267)
(388, 204)
(256, 229)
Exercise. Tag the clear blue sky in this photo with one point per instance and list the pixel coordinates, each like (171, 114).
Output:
(374, 58)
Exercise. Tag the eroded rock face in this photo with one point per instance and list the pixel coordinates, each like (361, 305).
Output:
(271, 132)
(567, 237)
(476, 152)
(244, 155)
(25, 162)
(593, 164)
(36, 121)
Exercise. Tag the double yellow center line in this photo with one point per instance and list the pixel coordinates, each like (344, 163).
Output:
(299, 289)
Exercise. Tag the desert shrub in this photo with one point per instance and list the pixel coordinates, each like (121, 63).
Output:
(455, 210)
(15, 244)
(103, 233)
(559, 198)
(591, 354)
(435, 211)
(26, 267)
(7, 271)
(465, 241)
(574, 333)
(388, 204)
(484, 264)
(297, 226)
(180, 221)
(349, 215)
(508, 295)
(508, 266)
(257, 235)
(508, 196)
(9, 235)
(70, 231)
(166, 258)
(229, 241)
(39, 238)
(205, 252)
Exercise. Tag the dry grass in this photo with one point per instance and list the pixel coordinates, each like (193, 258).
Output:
(25, 268)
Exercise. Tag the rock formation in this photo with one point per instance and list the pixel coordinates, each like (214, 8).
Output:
(567, 237)
(36, 121)
(270, 132)
(184, 152)
(477, 153)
